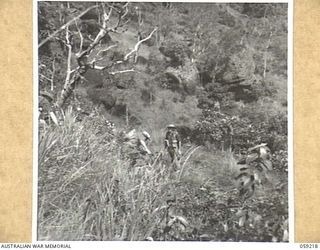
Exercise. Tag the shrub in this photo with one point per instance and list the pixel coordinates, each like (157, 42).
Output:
(213, 128)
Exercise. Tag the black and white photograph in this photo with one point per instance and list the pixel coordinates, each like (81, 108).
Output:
(162, 121)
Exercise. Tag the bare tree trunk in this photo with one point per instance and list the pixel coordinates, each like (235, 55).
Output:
(82, 60)
(75, 75)
(68, 85)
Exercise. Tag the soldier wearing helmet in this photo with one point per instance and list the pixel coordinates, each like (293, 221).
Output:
(138, 141)
(135, 146)
(172, 142)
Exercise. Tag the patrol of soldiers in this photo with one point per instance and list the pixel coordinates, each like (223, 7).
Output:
(257, 160)
(137, 144)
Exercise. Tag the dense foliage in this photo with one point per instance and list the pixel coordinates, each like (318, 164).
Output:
(216, 70)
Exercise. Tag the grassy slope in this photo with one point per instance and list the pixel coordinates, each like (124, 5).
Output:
(88, 191)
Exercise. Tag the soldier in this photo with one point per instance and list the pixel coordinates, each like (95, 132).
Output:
(172, 142)
(138, 141)
(137, 145)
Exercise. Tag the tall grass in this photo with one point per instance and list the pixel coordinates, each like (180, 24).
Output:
(89, 190)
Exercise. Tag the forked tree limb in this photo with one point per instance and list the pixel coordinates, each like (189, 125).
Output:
(74, 76)
(82, 58)
(136, 47)
(126, 58)
(126, 10)
(102, 33)
(82, 61)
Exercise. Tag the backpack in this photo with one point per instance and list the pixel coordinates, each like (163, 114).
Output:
(173, 138)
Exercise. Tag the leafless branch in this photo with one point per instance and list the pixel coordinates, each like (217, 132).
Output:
(136, 47)
(67, 80)
(126, 10)
(43, 76)
(109, 48)
(121, 71)
(125, 5)
(81, 37)
(122, 13)
(140, 24)
(118, 9)
(107, 66)
(82, 58)
(100, 67)
(110, 5)
(102, 33)
(135, 50)
(64, 26)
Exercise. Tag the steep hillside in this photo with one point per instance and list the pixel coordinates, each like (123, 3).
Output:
(216, 71)
(226, 54)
